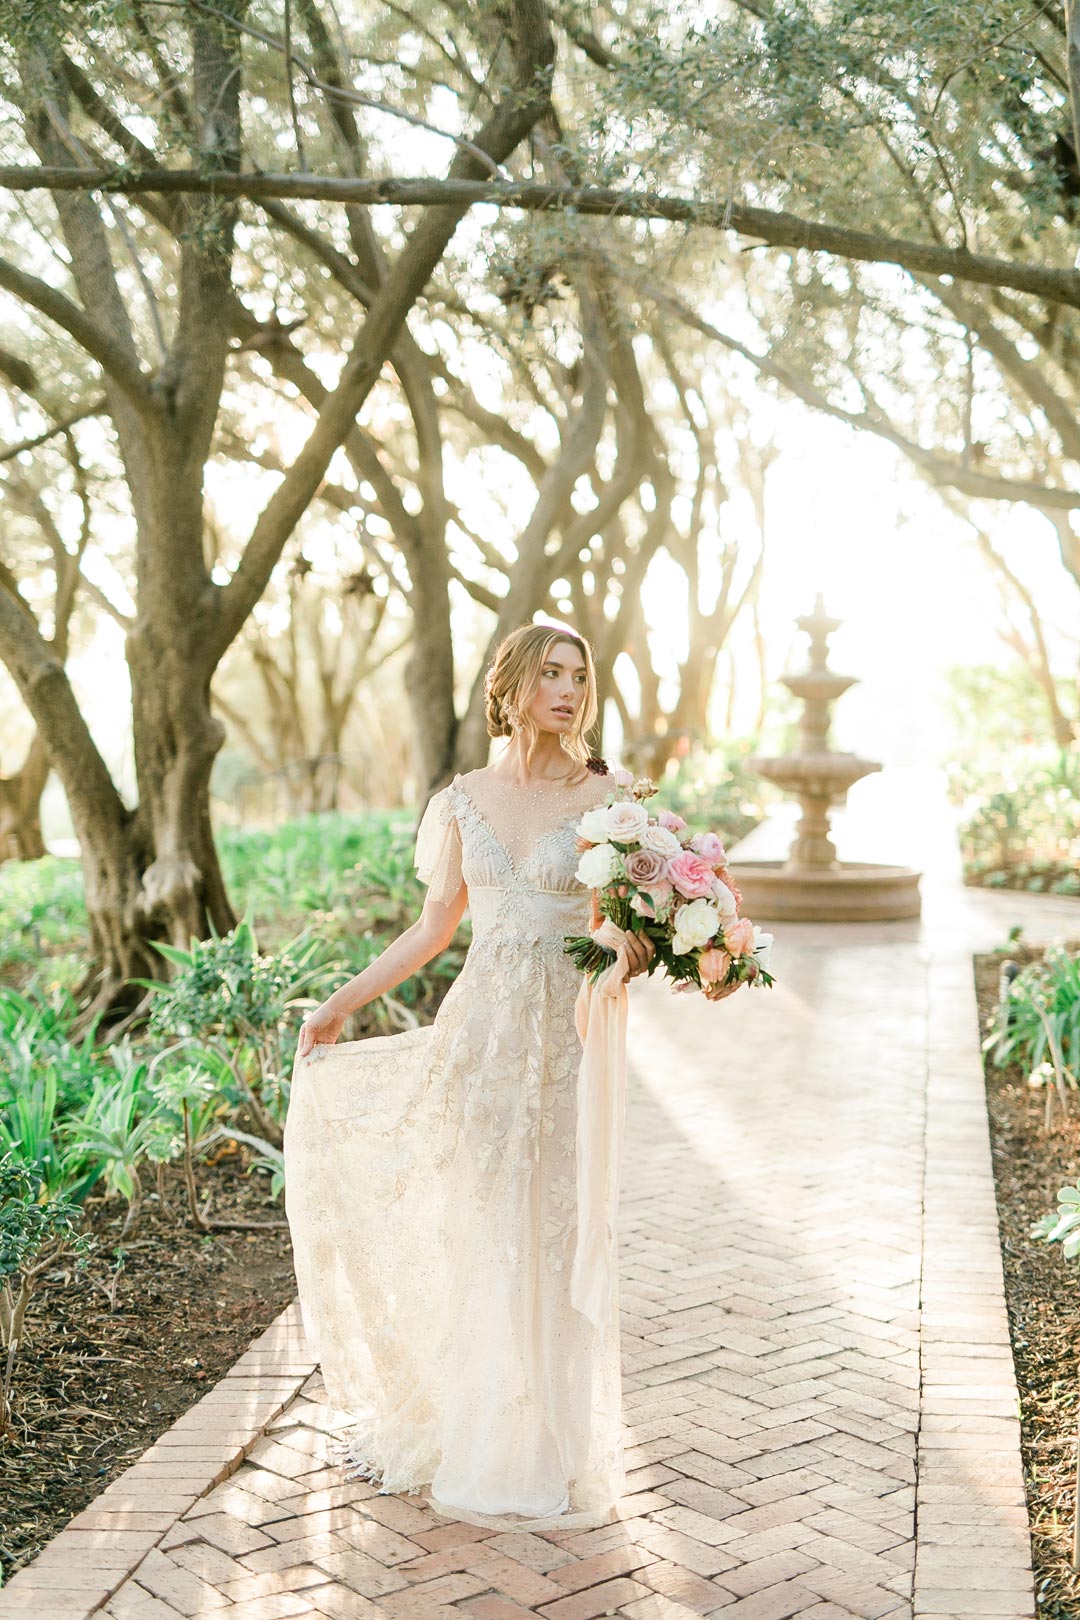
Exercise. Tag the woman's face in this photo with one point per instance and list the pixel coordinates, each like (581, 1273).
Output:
(561, 690)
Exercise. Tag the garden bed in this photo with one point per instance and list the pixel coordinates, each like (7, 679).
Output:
(1042, 1292)
(95, 1384)
(1038, 877)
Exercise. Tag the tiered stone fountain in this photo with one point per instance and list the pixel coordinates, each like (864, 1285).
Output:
(812, 885)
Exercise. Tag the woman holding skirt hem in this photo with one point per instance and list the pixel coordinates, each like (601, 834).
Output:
(437, 1180)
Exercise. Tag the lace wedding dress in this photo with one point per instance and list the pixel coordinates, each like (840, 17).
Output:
(432, 1193)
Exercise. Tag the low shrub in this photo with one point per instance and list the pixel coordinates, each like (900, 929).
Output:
(1021, 828)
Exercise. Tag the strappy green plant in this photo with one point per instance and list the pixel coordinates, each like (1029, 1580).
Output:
(1038, 1020)
(35, 1230)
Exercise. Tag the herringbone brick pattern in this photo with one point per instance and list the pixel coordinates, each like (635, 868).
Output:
(808, 1357)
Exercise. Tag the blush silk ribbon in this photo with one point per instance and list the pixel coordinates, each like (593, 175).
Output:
(600, 1016)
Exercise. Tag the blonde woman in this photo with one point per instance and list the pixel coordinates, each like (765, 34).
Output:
(431, 1175)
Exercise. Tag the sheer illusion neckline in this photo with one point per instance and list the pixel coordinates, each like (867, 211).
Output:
(518, 864)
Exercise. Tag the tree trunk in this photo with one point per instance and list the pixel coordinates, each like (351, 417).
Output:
(20, 806)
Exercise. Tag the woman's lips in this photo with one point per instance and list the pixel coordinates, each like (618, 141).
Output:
(567, 711)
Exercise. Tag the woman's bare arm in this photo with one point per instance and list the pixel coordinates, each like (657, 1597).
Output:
(428, 935)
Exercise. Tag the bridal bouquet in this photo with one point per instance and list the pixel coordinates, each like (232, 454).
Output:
(654, 875)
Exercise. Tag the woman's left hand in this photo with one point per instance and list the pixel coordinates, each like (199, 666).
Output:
(639, 950)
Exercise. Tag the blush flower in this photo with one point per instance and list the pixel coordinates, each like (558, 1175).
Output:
(709, 847)
(738, 936)
(713, 965)
(626, 821)
(691, 876)
(662, 839)
(668, 818)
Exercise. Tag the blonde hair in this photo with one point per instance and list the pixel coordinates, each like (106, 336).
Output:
(512, 679)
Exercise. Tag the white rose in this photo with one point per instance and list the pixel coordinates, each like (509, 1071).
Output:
(695, 925)
(661, 839)
(724, 900)
(596, 866)
(626, 821)
(763, 944)
(593, 825)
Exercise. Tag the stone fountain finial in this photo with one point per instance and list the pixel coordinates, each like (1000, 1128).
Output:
(812, 883)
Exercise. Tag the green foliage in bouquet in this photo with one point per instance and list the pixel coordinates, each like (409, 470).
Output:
(591, 958)
(615, 900)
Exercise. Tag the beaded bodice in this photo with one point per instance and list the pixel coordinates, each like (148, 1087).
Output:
(515, 850)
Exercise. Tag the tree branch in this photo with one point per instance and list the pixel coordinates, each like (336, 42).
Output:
(937, 469)
(512, 119)
(772, 227)
(45, 689)
(61, 309)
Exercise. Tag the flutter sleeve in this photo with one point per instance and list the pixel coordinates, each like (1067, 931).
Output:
(438, 848)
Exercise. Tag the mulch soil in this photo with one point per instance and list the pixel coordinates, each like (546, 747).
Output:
(1042, 1292)
(109, 1362)
(99, 1378)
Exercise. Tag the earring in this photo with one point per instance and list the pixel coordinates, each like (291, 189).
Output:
(512, 718)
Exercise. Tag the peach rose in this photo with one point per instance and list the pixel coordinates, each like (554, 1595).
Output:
(713, 965)
(691, 876)
(738, 936)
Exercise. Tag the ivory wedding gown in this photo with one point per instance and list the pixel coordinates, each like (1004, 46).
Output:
(433, 1195)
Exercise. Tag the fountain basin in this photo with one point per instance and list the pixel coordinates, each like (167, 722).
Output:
(846, 891)
(819, 775)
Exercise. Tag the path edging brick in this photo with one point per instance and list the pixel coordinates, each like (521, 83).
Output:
(80, 1569)
(973, 1544)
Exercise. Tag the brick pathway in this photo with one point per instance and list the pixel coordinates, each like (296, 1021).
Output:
(816, 1352)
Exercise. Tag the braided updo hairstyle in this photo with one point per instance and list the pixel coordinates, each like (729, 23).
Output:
(511, 681)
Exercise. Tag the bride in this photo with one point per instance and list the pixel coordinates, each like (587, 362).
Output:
(431, 1183)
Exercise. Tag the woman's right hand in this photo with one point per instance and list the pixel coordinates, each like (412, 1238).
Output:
(320, 1028)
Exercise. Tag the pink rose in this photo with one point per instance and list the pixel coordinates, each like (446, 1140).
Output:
(738, 936)
(691, 876)
(644, 867)
(709, 847)
(713, 965)
(668, 819)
